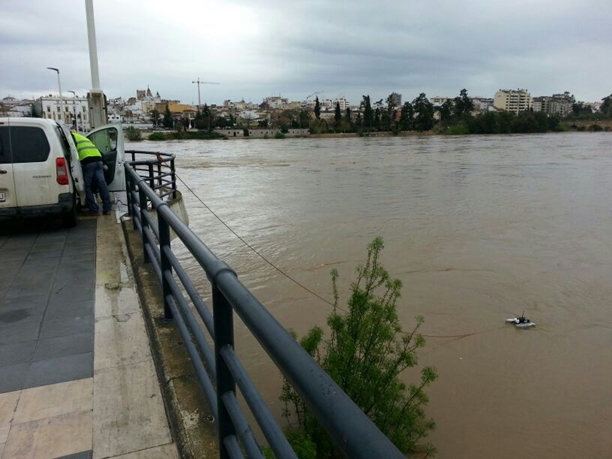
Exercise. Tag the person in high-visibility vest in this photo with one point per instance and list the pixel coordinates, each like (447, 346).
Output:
(93, 174)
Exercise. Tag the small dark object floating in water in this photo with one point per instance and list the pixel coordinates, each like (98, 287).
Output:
(521, 322)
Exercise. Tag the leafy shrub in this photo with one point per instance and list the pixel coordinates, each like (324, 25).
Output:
(365, 355)
(158, 136)
(595, 128)
(279, 135)
(458, 129)
(133, 134)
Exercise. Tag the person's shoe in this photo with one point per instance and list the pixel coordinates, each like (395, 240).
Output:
(108, 212)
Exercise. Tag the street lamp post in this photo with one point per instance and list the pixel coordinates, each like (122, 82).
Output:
(59, 84)
(74, 110)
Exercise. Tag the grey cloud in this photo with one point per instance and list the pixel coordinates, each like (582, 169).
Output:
(296, 48)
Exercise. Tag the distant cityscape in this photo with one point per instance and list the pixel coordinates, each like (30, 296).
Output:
(145, 109)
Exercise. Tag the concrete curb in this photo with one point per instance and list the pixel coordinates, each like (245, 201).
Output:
(192, 424)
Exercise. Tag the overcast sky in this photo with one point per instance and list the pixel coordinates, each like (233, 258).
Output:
(261, 48)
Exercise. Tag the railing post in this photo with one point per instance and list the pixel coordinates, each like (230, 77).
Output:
(128, 188)
(166, 265)
(151, 177)
(224, 336)
(173, 176)
(131, 190)
(159, 172)
(143, 221)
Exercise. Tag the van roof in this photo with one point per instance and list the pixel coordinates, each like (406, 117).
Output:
(27, 121)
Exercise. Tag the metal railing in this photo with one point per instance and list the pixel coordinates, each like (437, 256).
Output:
(220, 371)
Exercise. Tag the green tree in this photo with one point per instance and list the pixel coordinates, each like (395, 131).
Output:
(168, 121)
(463, 104)
(391, 105)
(580, 109)
(338, 114)
(133, 134)
(204, 119)
(406, 117)
(365, 355)
(446, 110)
(359, 121)
(304, 119)
(423, 111)
(377, 120)
(348, 121)
(317, 108)
(606, 106)
(368, 114)
(34, 112)
(154, 114)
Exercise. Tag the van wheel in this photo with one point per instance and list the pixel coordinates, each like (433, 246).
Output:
(70, 219)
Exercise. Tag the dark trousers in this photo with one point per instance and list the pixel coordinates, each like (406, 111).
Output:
(93, 175)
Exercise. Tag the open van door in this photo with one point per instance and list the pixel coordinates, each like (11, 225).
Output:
(109, 140)
(72, 156)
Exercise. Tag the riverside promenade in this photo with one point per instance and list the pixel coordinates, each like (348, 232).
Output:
(77, 379)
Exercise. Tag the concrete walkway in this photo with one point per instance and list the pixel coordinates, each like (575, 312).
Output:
(76, 375)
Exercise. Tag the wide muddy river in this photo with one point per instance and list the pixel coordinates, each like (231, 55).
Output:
(478, 228)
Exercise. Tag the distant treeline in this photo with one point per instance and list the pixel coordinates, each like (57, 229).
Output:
(454, 116)
(505, 123)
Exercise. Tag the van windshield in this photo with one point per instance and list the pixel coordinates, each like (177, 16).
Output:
(28, 144)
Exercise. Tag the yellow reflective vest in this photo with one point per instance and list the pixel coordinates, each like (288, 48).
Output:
(86, 149)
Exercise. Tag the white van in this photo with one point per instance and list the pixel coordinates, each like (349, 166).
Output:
(40, 172)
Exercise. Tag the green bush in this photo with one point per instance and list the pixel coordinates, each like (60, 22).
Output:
(365, 355)
(158, 136)
(279, 135)
(595, 128)
(458, 129)
(133, 134)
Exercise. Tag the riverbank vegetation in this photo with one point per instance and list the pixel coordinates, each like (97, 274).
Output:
(453, 117)
(366, 353)
(187, 135)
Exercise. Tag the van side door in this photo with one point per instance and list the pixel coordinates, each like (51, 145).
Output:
(8, 197)
(109, 140)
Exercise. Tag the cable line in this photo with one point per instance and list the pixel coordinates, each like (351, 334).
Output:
(465, 335)
(254, 250)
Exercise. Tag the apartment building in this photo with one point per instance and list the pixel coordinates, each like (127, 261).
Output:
(73, 111)
(512, 100)
(557, 104)
(276, 102)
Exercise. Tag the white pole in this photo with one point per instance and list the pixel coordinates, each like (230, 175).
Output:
(93, 51)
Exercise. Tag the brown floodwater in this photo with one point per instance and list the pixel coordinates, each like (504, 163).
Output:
(478, 228)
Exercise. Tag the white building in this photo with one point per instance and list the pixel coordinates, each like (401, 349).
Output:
(483, 104)
(512, 100)
(558, 104)
(344, 104)
(66, 109)
(276, 102)
(437, 100)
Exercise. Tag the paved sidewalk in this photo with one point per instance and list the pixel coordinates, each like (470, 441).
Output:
(76, 375)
